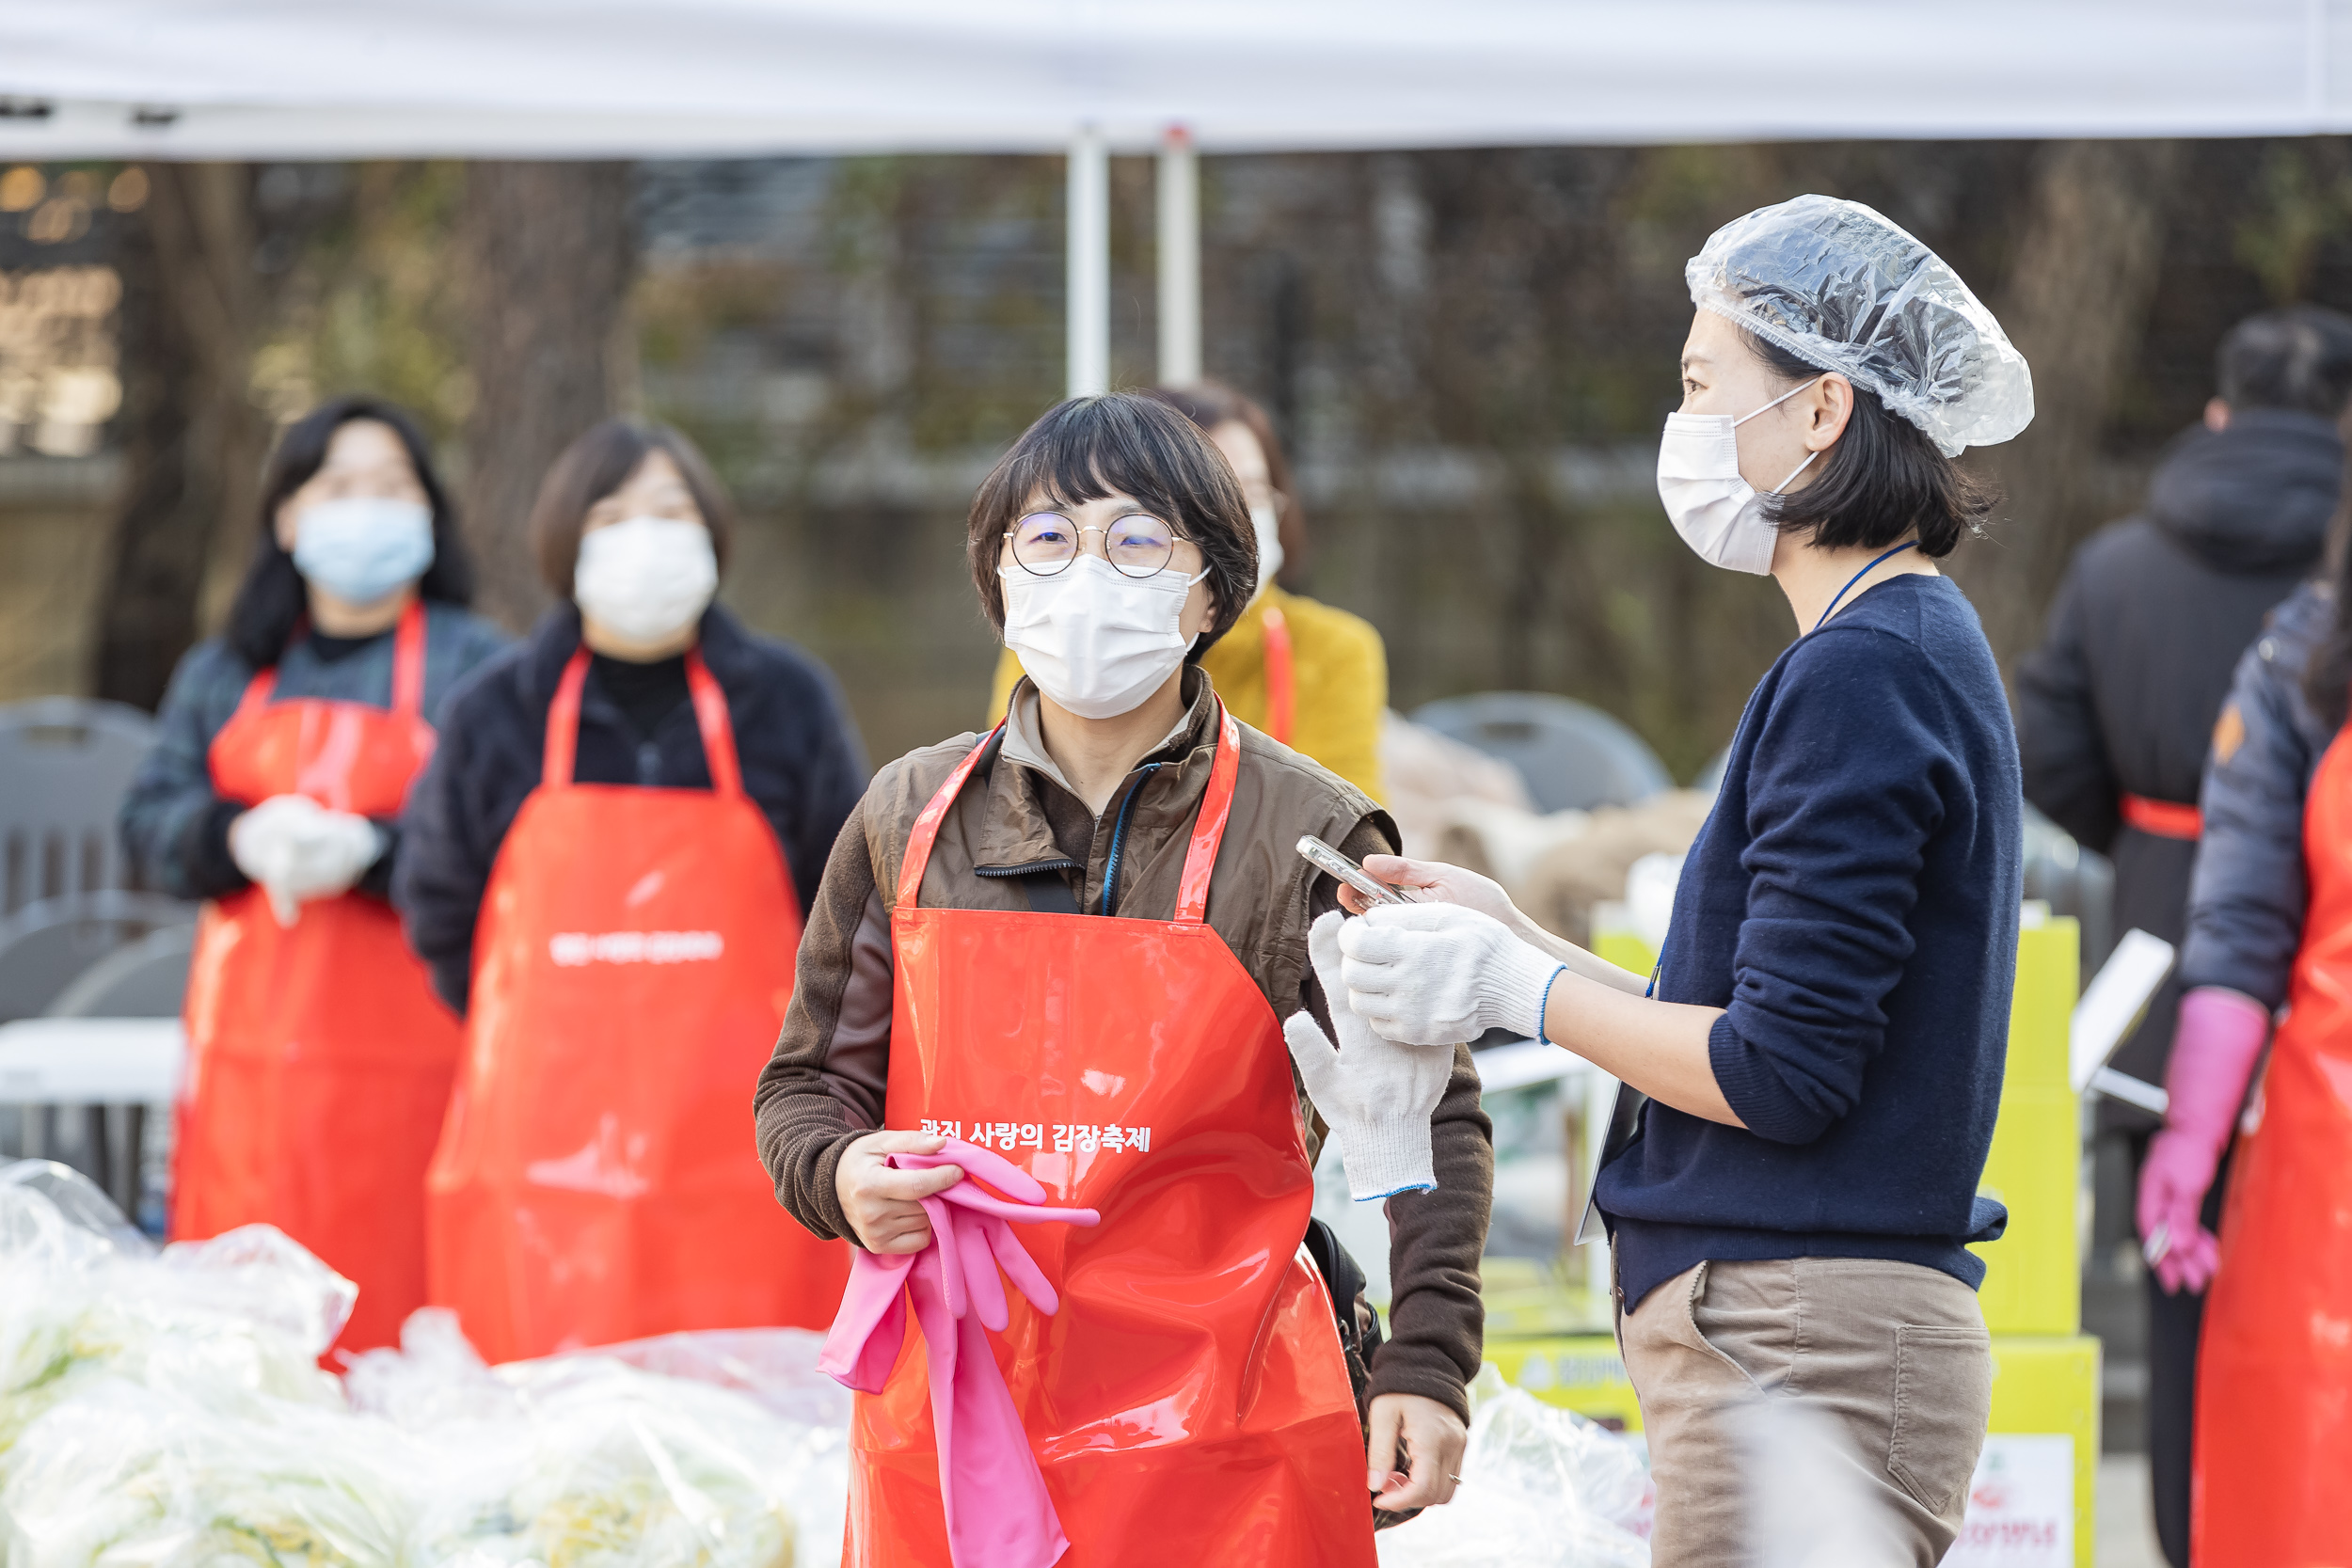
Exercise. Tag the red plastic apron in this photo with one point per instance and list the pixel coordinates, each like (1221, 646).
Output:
(597, 1178)
(2273, 1378)
(319, 1059)
(2274, 1362)
(1281, 683)
(1189, 1403)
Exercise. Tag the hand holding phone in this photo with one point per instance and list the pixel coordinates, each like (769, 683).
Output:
(1323, 858)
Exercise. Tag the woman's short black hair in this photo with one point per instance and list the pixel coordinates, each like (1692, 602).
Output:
(599, 462)
(271, 601)
(1882, 481)
(1128, 444)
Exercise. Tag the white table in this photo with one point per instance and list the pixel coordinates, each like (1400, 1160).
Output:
(91, 1061)
(1524, 1063)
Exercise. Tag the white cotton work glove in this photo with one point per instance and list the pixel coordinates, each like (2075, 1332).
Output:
(1376, 1095)
(1432, 974)
(294, 850)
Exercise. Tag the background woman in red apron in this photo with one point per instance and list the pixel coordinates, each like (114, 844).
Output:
(2270, 923)
(1071, 942)
(319, 1059)
(605, 859)
(1309, 674)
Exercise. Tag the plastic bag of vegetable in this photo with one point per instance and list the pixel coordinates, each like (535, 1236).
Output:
(1541, 1488)
(166, 1411)
(240, 1317)
(123, 1474)
(585, 1460)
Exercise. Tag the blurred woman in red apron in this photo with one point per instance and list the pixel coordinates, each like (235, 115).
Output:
(318, 1060)
(2270, 923)
(1071, 941)
(606, 854)
(1308, 673)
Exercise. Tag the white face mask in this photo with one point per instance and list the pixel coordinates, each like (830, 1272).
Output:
(648, 578)
(1095, 640)
(1718, 513)
(1269, 524)
(363, 548)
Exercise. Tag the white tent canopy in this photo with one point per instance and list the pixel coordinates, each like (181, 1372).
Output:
(335, 78)
(645, 78)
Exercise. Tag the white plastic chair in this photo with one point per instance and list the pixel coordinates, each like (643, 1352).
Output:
(65, 765)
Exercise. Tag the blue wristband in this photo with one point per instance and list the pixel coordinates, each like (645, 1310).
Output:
(1543, 1006)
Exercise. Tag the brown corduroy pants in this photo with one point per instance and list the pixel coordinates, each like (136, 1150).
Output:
(1894, 1355)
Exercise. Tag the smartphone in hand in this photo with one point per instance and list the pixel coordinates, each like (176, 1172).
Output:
(1323, 858)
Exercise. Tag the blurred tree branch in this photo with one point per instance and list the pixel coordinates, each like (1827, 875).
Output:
(192, 438)
(2303, 199)
(2076, 307)
(547, 254)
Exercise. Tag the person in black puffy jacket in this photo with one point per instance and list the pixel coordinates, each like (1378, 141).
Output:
(803, 765)
(2246, 903)
(2116, 708)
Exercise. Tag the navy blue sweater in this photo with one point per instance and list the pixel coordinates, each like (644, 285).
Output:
(1851, 904)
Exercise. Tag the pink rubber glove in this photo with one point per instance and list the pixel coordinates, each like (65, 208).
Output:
(992, 1492)
(2220, 1033)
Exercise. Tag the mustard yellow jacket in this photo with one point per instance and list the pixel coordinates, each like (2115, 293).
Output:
(1339, 683)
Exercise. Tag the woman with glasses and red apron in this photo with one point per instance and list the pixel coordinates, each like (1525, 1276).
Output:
(1310, 675)
(319, 1059)
(604, 873)
(1067, 943)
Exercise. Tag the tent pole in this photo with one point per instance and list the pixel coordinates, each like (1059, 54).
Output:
(1090, 264)
(1180, 260)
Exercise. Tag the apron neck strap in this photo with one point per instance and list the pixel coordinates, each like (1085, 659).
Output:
(711, 718)
(1208, 829)
(408, 661)
(407, 669)
(918, 851)
(555, 768)
(1281, 685)
(257, 690)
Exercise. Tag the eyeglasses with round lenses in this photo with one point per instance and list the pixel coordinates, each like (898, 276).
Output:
(1044, 543)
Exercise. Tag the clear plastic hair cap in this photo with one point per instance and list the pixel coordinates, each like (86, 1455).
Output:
(1838, 286)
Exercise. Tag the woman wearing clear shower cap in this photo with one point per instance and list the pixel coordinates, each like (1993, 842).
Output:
(1821, 1044)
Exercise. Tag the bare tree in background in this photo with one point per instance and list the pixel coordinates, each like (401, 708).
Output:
(2076, 307)
(193, 440)
(549, 256)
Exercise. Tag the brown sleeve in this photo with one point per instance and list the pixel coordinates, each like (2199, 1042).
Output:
(823, 1086)
(1436, 1319)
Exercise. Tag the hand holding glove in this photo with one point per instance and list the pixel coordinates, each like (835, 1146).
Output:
(1376, 1095)
(1436, 974)
(991, 1487)
(2220, 1033)
(294, 850)
(968, 1242)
